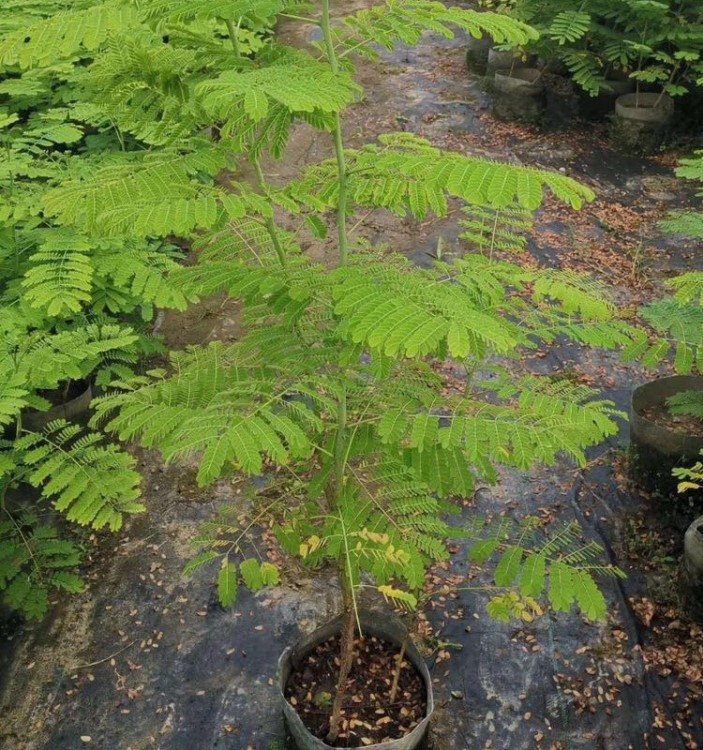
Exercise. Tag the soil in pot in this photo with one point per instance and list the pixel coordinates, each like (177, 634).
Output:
(369, 715)
(682, 424)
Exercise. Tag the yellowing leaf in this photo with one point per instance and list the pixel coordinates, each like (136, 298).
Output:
(269, 574)
(396, 595)
(372, 536)
(684, 486)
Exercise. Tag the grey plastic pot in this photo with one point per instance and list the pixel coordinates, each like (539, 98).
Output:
(693, 549)
(657, 437)
(601, 106)
(35, 420)
(645, 108)
(657, 449)
(521, 81)
(380, 624)
(498, 60)
(518, 94)
(691, 578)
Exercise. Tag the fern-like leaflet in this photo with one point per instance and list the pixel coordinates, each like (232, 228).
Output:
(34, 561)
(560, 566)
(91, 483)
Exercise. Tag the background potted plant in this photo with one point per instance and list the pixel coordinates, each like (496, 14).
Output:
(610, 49)
(563, 45)
(665, 43)
(691, 572)
(667, 413)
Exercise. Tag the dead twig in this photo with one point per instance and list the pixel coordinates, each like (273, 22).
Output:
(102, 661)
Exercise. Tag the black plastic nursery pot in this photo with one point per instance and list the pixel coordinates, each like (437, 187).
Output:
(518, 94)
(561, 101)
(602, 105)
(656, 448)
(373, 623)
(477, 51)
(71, 409)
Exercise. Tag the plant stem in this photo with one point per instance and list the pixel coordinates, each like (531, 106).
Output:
(346, 649)
(346, 656)
(342, 206)
(338, 142)
(340, 447)
(268, 221)
(293, 17)
(232, 31)
(545, 68)
(396, 675)
(670, 80)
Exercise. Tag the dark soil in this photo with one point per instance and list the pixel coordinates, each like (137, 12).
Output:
(660, 415)
(368, 716)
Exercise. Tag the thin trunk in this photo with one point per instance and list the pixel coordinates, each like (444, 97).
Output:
(640, 60)
(346, 658)
(348, 604)
(544, 69)
(668, 83)
(398, 666)
(338, 142)
(269, 223)
(232, 31)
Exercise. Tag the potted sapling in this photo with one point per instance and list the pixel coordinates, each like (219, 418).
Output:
(667, 412)
(334, 378)
(666, 44)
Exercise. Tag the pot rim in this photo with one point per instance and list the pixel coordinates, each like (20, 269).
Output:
(666, 102)
(80, 404)
(515, 74)
(659, 437)
(668, 386)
